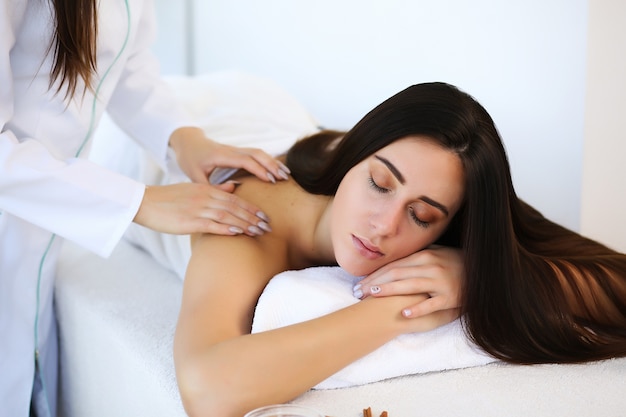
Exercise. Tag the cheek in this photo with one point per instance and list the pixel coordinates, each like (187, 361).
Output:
(348, 214)
(410, 243)
(347, 203)
(413, 240)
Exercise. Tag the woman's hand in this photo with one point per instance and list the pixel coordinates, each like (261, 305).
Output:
(187, 208)
(198, 156)
(436, 272)
(201, 207)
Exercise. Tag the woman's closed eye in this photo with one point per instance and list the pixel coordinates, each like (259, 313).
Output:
(411, 209)
(377, 187)
(416, 219)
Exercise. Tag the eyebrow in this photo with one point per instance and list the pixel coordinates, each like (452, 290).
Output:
(392, 168)
(435, 204)
(396, 173)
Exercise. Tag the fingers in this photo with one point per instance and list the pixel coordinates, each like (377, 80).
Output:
(430, 305)
(399, 287)
(198, 156)
(401, 268)
(275, 169)
(434, 320)
(439, 294)
(196, 174)
(227, 214)
(197, 208)
(257, 162)
(412, 279)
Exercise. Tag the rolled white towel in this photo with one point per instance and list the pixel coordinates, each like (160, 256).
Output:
(296, 296)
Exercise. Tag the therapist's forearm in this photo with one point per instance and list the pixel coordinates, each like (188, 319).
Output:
(236, 375)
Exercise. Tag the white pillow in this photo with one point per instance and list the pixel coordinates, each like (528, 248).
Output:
(297, 296)
(232, 107)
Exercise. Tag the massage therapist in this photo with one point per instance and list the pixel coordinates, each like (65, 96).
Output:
(62, 64)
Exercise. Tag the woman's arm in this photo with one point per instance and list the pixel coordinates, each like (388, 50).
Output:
(222, 370)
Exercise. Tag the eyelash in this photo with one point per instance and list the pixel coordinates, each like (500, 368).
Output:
(382, 190)
(416, 219)
(376, 186)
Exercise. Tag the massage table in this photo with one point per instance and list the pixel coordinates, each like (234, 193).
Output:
(117, 316)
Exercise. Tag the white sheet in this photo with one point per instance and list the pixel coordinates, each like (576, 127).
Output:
(117, 319)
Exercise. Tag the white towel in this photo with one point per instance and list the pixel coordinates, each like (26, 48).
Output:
(296, 296)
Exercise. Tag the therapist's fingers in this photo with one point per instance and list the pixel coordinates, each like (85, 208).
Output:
(236, 213)
(253, 160)
(200, 208)
(198, 156)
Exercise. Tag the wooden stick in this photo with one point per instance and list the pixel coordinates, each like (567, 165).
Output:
(367, 412)
(384, 414)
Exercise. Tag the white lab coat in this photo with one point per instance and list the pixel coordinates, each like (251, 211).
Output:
(46, 185)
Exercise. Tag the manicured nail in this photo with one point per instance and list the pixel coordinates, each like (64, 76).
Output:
(356, 287)
(283, 174)
(407, 312)
(264, 226)
(255, 230)
(263, 216)
(236, 230)
(358, 293)
(375, 289)
(284, 167)
(271, 177)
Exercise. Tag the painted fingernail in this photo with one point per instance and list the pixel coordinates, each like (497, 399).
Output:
(264, 226)
(236, 230)
(283, 174)
(284, 167)
(375, 289)
(407, 312)
(356, 287)
(255, 230)
(271, 177)
(358, 293)
(263, 216)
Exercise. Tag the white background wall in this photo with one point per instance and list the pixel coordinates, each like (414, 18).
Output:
(525, 61)
(604, 165)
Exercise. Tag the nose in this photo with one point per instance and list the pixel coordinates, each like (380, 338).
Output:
(387, 219)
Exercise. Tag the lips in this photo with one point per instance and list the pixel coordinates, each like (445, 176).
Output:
(366, 249)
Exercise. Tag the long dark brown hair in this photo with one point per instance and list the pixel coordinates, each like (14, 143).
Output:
(534, 291)
(73, 45)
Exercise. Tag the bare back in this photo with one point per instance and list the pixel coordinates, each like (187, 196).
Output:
(226, 274)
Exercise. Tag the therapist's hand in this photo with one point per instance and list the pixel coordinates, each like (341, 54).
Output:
(187, 208)
(436, 272)
(198, 156)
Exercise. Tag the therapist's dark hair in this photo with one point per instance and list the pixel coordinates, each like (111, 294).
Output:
(534, 292)
(73, 44)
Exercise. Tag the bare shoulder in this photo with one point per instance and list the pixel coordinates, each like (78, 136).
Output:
(273, 199)
(225, 277)
(291, 211)
(242, 257)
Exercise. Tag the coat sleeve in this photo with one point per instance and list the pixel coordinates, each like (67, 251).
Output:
(142, 103)
(71, 197)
